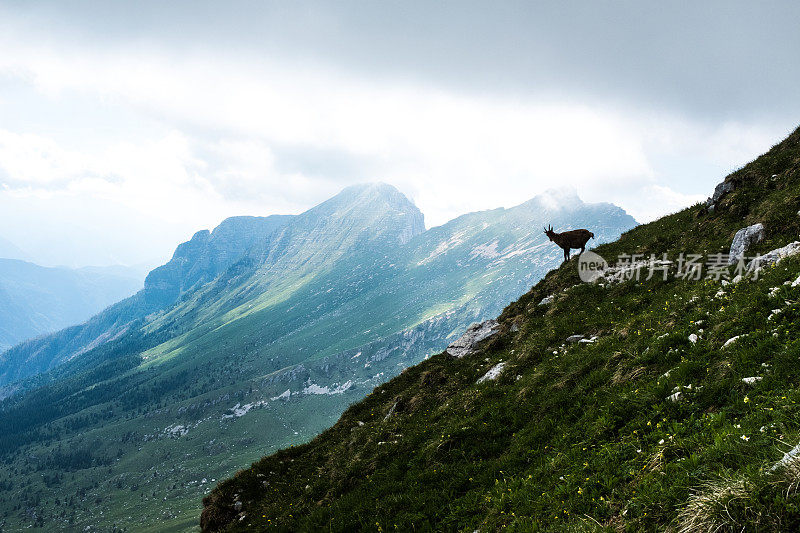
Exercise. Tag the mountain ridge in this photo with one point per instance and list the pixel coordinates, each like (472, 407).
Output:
(265, 355)
(663, 417)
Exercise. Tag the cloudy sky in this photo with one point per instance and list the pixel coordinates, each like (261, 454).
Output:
(125, 127)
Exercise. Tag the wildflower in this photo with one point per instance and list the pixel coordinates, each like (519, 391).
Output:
(745, 438)
(746, 399)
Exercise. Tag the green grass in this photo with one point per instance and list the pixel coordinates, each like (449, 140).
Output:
(579, 437)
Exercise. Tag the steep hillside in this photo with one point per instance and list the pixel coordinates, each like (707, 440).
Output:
(672, 411)
(264, 355)
(35, 300)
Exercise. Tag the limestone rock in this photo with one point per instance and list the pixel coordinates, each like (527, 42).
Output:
(477, 332)
(719, 191)
(493, 372)
(743, 239)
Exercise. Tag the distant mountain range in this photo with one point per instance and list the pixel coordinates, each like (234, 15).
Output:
(9, 250)
(36, 300)
(255, 336)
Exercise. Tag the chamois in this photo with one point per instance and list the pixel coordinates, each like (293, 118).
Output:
(567, 240)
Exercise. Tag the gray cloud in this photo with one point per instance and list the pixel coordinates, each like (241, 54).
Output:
(201, 110)
(719, 59)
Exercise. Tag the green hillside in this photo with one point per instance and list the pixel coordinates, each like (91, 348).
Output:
(676, 417)
(254, 337)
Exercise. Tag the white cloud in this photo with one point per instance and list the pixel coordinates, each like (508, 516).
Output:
(225, 123)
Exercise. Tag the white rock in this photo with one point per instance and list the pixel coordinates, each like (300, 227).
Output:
(675, 397)
(477, 332)
(693, 338)
(720, 190)
(732, 340)
(778, 254)
(572, 339)
(547, 300)
(796, 282)
(787, 458)
(493, 372)
(743, 239)
(752, 380)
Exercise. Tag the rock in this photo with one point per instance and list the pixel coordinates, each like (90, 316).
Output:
(752, 380)
(477, 332)
(778, 254)
(547, 300)
(392, 410)
(572, 339)
(693, 338)
(796, 282)
(719, 191)
(588, 341)
(787, 458)
(493, 372)
(675, 397)
(732, 340)
(743, 239)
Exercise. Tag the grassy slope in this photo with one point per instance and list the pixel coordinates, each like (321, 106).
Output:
(93, 446)
(580, 437)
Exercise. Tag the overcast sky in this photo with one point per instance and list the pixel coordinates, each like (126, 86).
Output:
(127, 126)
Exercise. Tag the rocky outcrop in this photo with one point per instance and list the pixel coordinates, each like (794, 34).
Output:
(743, 240)
(493, 373)
(719, 191)
(477, 332)
(776, 255)
(208, 254)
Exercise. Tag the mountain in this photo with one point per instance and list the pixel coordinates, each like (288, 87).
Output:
(635, 403)
(255, 336)
(36, 300)
(9, 250)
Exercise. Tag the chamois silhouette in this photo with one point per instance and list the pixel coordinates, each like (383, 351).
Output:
(567, 240)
